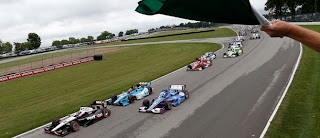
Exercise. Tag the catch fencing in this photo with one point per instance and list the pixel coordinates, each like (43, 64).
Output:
(42, 60)
(311, 17)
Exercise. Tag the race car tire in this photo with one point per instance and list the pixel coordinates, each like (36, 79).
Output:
(55, 122)
(131, 99)
(150, 90)
(74, 126)
(168, 105)
(106, 112)
(189, 67)
(114, 98)
(146, 103)
(202, 66)
(186, 95)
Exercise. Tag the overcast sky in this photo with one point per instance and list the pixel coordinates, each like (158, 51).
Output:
(61, 19)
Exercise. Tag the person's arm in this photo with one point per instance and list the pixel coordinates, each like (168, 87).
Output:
(305, 36)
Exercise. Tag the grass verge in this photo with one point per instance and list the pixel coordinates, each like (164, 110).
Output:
(299, 113)
(219, 32)
(180, 31)
(32, 101)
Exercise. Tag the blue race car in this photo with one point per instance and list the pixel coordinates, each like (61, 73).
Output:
(173, 96)
(141, 90)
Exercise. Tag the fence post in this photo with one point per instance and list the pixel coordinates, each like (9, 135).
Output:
(19, 64)
(5, 65)
(42, 60)
(62, 56)
(52, 59)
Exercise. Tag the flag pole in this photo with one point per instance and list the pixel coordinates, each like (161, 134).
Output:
(263, 21)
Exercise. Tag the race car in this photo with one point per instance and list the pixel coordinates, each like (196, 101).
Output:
(210, 55)
(199, 65)
(173, 96)
(234, 52)
(255, 36)
(84, 117)
(141, 90)
(240, 38)
(254, 31)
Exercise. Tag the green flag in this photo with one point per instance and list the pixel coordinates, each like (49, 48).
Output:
(218, 11)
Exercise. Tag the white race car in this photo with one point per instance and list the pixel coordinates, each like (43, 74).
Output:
(255, 36)
(85, 116)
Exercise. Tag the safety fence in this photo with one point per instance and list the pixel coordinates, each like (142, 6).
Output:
(310, 17)
(40, 61)
(45, 69)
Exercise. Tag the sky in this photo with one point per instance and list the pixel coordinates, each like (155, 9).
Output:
(61, 19)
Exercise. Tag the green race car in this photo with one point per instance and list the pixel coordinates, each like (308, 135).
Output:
(233, 52)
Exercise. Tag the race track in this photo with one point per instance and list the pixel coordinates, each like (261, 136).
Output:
(233, 98)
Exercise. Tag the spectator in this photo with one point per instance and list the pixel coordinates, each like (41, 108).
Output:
(280, 29)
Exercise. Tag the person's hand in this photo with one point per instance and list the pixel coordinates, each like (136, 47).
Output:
(278, 29)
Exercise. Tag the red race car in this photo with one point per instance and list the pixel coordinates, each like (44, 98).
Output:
(199, 64)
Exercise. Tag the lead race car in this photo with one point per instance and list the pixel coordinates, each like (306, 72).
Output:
(173, 96)
(141, 90)
(85, 116)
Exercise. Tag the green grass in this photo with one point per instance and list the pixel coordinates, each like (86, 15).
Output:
(219, 32)
(299, 113)
(179, 31)
(29, 102)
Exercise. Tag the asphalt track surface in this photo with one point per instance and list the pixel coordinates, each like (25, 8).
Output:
(233, 98)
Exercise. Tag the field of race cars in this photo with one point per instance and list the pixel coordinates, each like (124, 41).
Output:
(173, 96)
(167, 99)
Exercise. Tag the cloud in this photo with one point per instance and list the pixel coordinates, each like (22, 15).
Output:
(61, 19)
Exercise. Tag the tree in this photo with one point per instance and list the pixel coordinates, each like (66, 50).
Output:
(35, 40)
(120, 34)
(83, 40)
(64, 42)
(1, 48)
(27, 46)
(90, 38)
(133, 31)
(105, 35)
(17, 47)
(76, 41)
(72, 40)
(7, 47)
(56, 43)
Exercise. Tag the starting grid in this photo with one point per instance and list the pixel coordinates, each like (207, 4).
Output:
(45, 69)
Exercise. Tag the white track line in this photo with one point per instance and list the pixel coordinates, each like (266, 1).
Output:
(40, 127)
(283, 95)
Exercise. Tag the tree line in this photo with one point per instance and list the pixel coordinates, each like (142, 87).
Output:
(279, 8)
(33, 42)
(187, 25)
(103, 36)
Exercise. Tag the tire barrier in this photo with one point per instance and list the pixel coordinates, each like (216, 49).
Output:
(97, 57)
(45, 69)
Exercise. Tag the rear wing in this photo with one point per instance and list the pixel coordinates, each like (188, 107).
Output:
(103, 103)
(177, 87)
(142, 84)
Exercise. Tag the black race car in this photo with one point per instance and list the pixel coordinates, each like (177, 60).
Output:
(84, 117)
